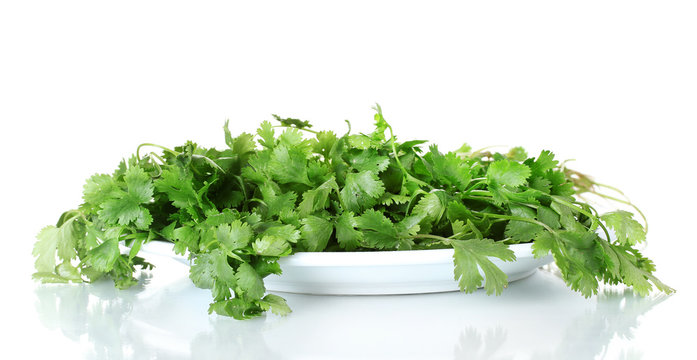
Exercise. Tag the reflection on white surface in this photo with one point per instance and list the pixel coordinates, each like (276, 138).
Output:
(164, 317)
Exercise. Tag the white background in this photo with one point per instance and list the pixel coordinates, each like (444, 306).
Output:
(612, 84)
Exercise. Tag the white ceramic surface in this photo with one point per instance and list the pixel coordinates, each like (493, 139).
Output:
(379, 272)
(385, 272)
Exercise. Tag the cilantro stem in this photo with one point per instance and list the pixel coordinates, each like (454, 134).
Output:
(584, 212)
(157, 146)
(518, 218)
(408, 176)
(294, 127)
(480, 181)
(646, 223)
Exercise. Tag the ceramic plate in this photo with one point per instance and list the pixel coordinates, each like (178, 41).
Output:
(376, 273)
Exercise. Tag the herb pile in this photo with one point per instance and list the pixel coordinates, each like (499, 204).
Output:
(237, 211)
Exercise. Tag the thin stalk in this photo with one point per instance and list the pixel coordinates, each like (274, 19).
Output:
(646, 222)
(518, 218)
(584, 212)
(175, 153)
(293, 127)
(399, 163)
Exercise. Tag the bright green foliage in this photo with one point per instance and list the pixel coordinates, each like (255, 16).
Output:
(236, 212)
(472, 255)
(346, 234)
(378, 230)
(627, 230)
(316, 232)
(508, 173)
(522, 231)
(235, 235)
(361, 191)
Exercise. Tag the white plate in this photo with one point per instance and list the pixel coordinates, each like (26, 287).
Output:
(378, 272)
(385, 272)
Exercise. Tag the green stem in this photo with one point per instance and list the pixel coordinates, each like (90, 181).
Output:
(584, 212)
(294, 127)
(518, 218)
(157, 146)
(646, 222)
(399, 163)
(473, 187)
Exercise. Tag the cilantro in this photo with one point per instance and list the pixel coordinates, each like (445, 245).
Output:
(236, 212)
(472, 255)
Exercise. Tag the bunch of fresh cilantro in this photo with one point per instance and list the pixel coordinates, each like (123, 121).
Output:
(266, 196)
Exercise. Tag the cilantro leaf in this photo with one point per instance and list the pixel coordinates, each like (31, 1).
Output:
(627, 230)
(346, 235)
(315, 232)
(508, 173)
(266, 133)
(276, 304)
(288, 165)
(235, 235)
(378, 230)
(471, 255)
(522, 231)
(271, 246)
(361, 191)
(249, 282)
(369, 160)
(316, 199)
(103, 257)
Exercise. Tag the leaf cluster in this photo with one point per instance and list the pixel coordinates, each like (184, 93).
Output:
(236, 212)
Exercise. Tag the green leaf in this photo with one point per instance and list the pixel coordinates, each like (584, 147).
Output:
(271, 246)
(508, 173)
(316, 199)
(287, 232)
(249, 282)
(361, 191)
(315, 232)
(178, 186)
(359, 141)
(103, 257)
(544, 244)
(517, 154)
(235, 235)
(548, 216)
(266, 133)
(99, 188)
(471, 255)
(431, 206)
(288, 165)
(139, 184)
(522, 231)
(346, 235)
(544, 162)
(627, 230)
(52, 241)
(378, 230)
(369, 160)
(185, 238)
(202, 271)
(68, 272)
(276, 203)
(239, 309)
(276, 304)
(324, 143)
(449, 169)
(127, 209)
(300, 124)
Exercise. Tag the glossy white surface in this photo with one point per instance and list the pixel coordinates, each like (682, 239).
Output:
(165, 317)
